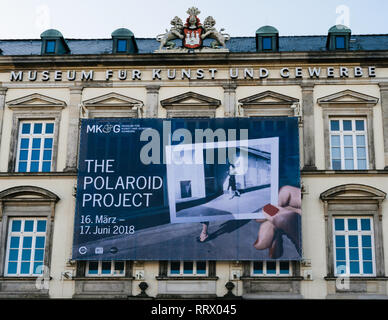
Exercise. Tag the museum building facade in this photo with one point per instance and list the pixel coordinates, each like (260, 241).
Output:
(336, 85)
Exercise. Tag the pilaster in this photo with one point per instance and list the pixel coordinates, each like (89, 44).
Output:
(73, 129)
(308, 126)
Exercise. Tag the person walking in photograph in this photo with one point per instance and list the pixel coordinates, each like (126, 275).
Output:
(232, 181)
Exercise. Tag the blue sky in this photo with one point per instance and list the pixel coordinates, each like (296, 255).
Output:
(147, 18)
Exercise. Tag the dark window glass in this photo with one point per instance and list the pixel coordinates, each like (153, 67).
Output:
(93, 267)
(339, 224)
(26, 128)
(201, 267)
(38, 128)
(347, 125)
(334, 125)
(121, 45)
(267, 43)
(284, 267)
(271, 267)
(175, 266)
(360, 125)
(106, 267)
(50, 46)
(340, 42)
(188, 267)
(49, 127)
(119, 267)
(258, 267)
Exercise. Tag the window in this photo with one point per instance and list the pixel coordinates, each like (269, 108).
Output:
(35, 146)
(348, 144)
(188, 268)
(340, 42)
(267, 43)
(122, 45)
(105, 268)
(353, 246)
(25, 247)
(50, 46)
(353, 218)
(271, 268)
(348, 130)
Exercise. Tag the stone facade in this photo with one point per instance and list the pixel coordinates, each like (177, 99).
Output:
(326, 192)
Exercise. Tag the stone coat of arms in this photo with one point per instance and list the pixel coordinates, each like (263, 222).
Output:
(192, 33)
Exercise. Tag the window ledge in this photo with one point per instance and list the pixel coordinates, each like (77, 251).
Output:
(263, 278)
(358, 278)
(32, 278)
(105, 278)
(345, 172)
(38, 174)
(186, 278)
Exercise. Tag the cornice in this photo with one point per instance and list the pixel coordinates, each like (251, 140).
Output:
(96, 60)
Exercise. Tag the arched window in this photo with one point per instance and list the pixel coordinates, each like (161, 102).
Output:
(354, 242)
(26, 221)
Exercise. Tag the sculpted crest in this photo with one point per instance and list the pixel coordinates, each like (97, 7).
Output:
(192, 34)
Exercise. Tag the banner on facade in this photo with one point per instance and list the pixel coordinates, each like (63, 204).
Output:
(188, 189)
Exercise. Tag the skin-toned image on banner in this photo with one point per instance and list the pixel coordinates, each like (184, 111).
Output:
(188, 189)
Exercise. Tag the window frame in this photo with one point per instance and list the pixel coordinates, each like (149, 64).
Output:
(354, 133)
(359, 234)
(181, 269)
(31, 136)
(36, 203)
(354, 200)
(18, 118)
(367, 114)
(339, 105)
(34, 234)
(277, 273)
(99, 269)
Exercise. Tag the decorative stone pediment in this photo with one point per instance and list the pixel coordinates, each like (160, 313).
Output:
(268, 103)
(268, 97)
(353, 192)
(36, 101)
(29, 197)
(348, 98)
(190, 104)
(27, 193)
(112, 100)
(114, 104)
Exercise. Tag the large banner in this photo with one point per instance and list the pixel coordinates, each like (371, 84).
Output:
(188, 189)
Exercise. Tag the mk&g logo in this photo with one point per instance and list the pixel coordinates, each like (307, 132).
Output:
(99, 128)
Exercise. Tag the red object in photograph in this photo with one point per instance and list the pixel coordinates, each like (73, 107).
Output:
(270, 209)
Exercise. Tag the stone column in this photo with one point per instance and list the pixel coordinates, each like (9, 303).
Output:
(230, 99)
(73, 129)
(384, 111)
(152, 101)
(3, 91)
(308, 126)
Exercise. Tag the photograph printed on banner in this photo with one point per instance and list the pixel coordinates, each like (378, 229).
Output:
(226, 180)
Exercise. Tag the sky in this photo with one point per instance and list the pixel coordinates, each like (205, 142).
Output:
(86, 19)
